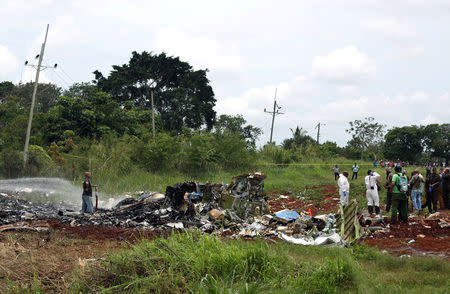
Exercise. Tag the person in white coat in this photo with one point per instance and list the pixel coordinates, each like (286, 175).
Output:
(344, 188)
(373, 200)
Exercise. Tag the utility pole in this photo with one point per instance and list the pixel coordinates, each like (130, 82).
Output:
(318, 131)
(33, 99)
(153, 106)
(275, 112)
(153, 116)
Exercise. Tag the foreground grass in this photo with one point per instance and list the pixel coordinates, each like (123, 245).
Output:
(195, 263)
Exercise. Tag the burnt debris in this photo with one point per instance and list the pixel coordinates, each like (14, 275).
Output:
(189, 204)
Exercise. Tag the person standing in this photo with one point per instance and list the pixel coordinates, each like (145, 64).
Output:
(446, 187)
(434, 181)
(388, 171)
(416, 190)
(373, 200)
(344, 188)
(388, 188)
(428, 169)
(86, 205)
(399, 187)
(428, 199)
(441, 190)
(375, 163)
(355, 169)
(336, 172)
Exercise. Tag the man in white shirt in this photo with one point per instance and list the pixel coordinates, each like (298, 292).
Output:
(355, 169)
(336, 172)
(372, 180)
(344, 188)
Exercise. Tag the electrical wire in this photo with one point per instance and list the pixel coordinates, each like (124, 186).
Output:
(62, 79)
(62, 70)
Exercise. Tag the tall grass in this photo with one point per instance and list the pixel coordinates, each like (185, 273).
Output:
(195, 263)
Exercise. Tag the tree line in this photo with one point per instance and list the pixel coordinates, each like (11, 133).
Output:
(112, 115)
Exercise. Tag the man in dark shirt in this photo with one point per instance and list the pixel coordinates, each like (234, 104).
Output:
(434, 181)
(86, 206)
(388, 188)
(446, 187)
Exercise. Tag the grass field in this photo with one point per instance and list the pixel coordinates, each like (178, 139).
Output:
(294, 178)
(196, 263)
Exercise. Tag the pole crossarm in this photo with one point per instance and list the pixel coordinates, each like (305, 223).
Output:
(274, 113)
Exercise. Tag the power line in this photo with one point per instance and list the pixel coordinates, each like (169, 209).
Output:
(62, 70)
(62, 79)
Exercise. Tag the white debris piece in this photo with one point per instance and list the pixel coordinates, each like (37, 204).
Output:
(334, 239)
(175, 225)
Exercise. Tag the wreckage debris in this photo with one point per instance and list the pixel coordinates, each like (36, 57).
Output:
(194, 204)
(184, 205)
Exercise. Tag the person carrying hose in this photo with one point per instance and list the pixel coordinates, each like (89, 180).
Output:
(86, 205)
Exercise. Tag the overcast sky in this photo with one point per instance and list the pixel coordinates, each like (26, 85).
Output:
(332, 61)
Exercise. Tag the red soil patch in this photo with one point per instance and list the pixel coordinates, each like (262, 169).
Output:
(328, 203)
(436, 241)
(93, 232)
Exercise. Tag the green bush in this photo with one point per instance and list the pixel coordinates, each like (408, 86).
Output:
(39, 162)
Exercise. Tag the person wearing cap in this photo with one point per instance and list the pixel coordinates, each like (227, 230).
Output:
(344, 188)
(373, 200)
(86, 205)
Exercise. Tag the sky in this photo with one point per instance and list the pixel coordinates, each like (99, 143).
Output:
(331, 61)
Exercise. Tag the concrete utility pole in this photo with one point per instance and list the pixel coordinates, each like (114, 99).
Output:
(273, 113)
(318, 131)
(33, 100)
(152, 87)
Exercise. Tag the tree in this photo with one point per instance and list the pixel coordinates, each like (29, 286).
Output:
(403, 143)
(234, 125)
(366, 134)
(183, 96)
(299, 138)
(46, 95)
(437, 140)
(6, 89)
(89, 113)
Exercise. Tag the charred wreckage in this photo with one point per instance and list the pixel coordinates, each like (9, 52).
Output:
(197, 205)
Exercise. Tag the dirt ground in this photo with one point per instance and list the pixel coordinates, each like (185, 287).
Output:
(429, 238)
(328, 203)
(419, 236)
(51, 255)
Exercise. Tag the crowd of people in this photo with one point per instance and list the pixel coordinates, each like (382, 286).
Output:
(400, 189)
